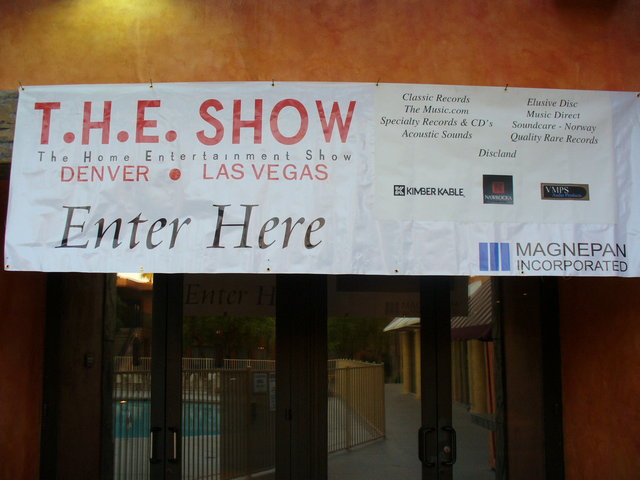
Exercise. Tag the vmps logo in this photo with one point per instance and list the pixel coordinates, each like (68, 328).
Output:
(497, 189)
(564, 191)
(494, 257)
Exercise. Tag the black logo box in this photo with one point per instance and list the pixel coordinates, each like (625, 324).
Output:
(497, 189)
(564, 191)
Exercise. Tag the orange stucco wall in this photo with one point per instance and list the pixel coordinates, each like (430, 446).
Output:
(581, 44)
(600, 335)
(539, 43)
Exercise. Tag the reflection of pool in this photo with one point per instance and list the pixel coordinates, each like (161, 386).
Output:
(132, 419)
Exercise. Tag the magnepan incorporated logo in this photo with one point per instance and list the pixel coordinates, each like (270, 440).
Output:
(494, 257)
(564, 191)
(497, 189)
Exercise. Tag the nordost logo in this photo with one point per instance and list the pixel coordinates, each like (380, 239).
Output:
(494, 257)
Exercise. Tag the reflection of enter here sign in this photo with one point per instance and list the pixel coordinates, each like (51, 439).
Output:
(239, 295)
(105, 173)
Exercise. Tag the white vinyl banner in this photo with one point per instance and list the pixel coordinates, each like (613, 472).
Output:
(325, 178)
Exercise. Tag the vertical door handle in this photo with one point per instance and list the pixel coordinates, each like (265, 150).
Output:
(174, 445)
(453, 447)
(423, 453)
(153, 455)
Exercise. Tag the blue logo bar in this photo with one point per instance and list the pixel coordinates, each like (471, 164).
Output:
(494, 257)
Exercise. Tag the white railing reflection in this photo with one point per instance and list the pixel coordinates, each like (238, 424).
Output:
(228, 414)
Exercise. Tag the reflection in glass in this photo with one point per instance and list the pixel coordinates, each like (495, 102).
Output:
(373, 415)
(356, 351)
(228, 377)
(473, 383)
(131, 382)
(391, 305)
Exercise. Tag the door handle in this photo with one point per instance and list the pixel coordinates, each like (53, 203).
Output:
(453, 447)
(423, 454)
(153, 455)
(174, 445)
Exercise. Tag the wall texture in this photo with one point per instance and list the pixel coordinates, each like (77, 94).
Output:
(7, 120)
(583, 44)
(578, 44)
(601, 385)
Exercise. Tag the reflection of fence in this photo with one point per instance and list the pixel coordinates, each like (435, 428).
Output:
(234, 364)
(198, 363)
(228, 427)
(131, 424)
(129, 364)
(228, 415)
(356, 404)
(131, 386)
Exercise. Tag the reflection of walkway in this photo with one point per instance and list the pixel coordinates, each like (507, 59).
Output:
(473, 448)
(346, 428)
(397, 456)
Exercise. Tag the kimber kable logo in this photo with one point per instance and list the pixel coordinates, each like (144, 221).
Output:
(497, 189)
(564, 191)
(552, 257)
(406, 190)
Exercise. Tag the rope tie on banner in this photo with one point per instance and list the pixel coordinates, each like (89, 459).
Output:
(378, 83)
(21, 86)
(506, 87)
(273, 82)
(150, 82)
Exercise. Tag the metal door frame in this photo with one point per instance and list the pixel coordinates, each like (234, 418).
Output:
(166, 378)
(436, 437)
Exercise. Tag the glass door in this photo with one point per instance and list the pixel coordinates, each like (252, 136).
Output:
(458, 436)
(131, 377)
(144, 425)
(374, 380)
(412, 382)
(474, 335)
(228, 377)
(194, 381)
